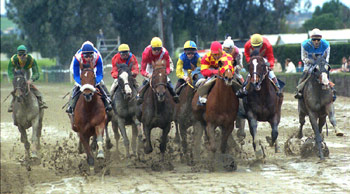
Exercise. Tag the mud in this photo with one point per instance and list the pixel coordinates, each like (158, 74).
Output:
(61, 169)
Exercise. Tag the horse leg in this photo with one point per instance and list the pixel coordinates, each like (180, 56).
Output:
(148, 147)
(116, 136)
(137, 123)
(35, 138)
(338, 132)
(301, 122)
(240, 123)
(121, 123)
(24, 140)
(164, 140)
(183, 133)
(253, 124)
(85, 141)
(321, 122)
(133, 138)
(198, 133)
(274, 134)
(225, 134)
(177, 134)
(99, 137)
(93, 144)
(313, 121)
(109, 144)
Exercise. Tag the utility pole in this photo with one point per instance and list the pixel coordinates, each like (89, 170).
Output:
(160, 16)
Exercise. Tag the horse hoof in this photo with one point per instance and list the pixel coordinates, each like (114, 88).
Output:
(100, 155)
(34, 155)
(259, 154)
(339, 133)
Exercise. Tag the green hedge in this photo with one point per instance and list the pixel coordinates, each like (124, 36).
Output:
(292, 51)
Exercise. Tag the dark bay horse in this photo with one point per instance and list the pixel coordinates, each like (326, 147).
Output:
(157, 108)
(89, 114)
(126, 109)
(220, 111)
(317, 101)
(26, 113)
(262, 103)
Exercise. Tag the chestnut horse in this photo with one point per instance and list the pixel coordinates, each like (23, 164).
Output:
(317, 101)
(220, 111)
(89, 114)
(262, 103)
(157, 108)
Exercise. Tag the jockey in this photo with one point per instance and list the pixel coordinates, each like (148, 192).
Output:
(258, 43)
(152, 53)
(124, 56)
(230, 48)
(184, 65)
(210, 67)
(22, 60)
(317, 46)
(88, 54)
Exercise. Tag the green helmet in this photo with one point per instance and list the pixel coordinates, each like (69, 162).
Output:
(22, 48)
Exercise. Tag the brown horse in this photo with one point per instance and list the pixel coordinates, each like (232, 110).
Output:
(220, 111)
(89, 114)
(157, 108)
(262, 103)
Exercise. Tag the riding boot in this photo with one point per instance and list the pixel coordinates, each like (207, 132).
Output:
(243, 91)
(178, 84)
(278, 86)
(73, 100)
(142, 90)
(105, 97)
(299, 94)
(172, 92)
(42, 104)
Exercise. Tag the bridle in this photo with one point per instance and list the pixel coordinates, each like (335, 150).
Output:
(260, 75)
(24, 90)
(158, 84)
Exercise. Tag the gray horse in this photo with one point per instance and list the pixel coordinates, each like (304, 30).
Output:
(26, 113)
(126, 110)
(317, 101)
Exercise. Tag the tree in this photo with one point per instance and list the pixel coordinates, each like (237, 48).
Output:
(332, 15)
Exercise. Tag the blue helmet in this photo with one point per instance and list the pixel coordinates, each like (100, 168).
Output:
(87, 48)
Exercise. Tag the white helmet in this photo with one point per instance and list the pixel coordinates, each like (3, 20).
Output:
(228, 43)
(316, 32)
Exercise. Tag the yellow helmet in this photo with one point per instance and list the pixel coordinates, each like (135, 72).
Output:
(156, 42)
(256, 40)
(123, 47)
(190, 45)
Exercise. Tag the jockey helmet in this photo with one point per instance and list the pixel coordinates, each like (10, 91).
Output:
(316, 33)
(87, 48)
(215, 47)
(156, 42)
(228, 43)
(190, 45)
(123, 48)
(256, 40)
(21, 48)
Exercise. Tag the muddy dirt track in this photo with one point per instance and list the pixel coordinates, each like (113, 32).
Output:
(62, 169)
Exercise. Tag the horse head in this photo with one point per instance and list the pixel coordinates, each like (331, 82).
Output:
(226, 72)
(21, 88)
(159, 80)
(125, 79)
(321, 70)
(258, 70)
(87, 78)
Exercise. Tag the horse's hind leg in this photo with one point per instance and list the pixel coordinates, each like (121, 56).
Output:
(121, 123)
(109, 144)
(133, 138)
(177, 134)
(331, 117)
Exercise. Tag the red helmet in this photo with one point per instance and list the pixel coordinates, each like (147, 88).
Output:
(215, 47)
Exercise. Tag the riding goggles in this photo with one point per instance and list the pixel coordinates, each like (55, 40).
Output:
(190, 53)
(157, 48)
(88, 55)
(316, 39)
(124, 53)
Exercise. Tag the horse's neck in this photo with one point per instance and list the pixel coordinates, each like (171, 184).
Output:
(222, 89)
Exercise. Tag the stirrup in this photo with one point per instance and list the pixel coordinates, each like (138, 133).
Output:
(298, 95)
(43, 106)
(176, 99)
(241, 93)
(108, 108)
(69, 110)
(139, 100)
(9, 109)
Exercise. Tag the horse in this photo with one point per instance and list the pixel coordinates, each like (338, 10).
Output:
(317, 101)
(126, 109)
(220, 111)
(89, 116)
(262, 103)
(157, 108)
(26, 113)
